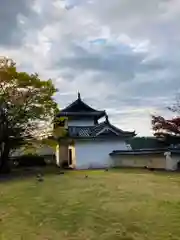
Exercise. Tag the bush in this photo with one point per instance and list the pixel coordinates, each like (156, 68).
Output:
(30, 161)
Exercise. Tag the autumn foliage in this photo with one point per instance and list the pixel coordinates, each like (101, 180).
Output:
(163, 127)
(168, 129)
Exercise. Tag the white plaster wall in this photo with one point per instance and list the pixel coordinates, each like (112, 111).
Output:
(171, 164)
(80, 122)
(41, 151)
(95, 154)
(45, 151)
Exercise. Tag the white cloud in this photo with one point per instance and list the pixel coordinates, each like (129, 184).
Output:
(121, 55)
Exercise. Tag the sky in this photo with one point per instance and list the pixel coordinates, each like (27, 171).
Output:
(122, 55)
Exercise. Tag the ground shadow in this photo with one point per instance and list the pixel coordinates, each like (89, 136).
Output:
(22, 173)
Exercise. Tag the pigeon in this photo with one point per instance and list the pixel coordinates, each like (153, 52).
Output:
(39, 177)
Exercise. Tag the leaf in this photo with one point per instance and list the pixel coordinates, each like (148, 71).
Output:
(27, 107)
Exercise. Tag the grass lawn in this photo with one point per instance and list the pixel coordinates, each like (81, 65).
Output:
(118, 204)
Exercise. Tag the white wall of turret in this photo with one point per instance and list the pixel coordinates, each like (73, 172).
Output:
(81, 123)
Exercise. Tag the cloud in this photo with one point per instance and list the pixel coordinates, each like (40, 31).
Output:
(121, 55)
(11, 21)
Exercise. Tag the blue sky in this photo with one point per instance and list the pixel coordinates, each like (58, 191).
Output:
(122, 55)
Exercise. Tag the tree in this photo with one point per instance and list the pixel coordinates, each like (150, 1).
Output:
(168, 130)
(50, 136)
(26, 103)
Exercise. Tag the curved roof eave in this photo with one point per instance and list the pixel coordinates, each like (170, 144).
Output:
(80, 106)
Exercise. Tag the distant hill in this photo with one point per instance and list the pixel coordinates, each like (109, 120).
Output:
(145, 143)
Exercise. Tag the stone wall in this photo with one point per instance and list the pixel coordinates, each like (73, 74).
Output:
(157, 161)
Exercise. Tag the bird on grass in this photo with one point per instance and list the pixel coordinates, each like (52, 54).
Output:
(39, 177)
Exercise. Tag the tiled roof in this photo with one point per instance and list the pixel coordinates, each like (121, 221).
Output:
(145, 151)
(80, 108)
(103, 129)
(137, 152)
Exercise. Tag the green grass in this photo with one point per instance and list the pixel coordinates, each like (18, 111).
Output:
(119, 204)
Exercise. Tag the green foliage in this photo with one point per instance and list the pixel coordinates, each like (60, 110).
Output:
(145, 143)
(26, 102)
(59, 132)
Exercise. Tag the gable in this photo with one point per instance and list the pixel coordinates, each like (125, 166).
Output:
(104, 130)
(107, 132)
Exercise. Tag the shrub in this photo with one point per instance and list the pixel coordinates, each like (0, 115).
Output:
(30, 161)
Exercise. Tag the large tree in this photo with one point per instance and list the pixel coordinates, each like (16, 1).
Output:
(26, 103)
(168, 130)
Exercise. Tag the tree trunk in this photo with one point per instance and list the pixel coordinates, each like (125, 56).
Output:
(4, 160)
